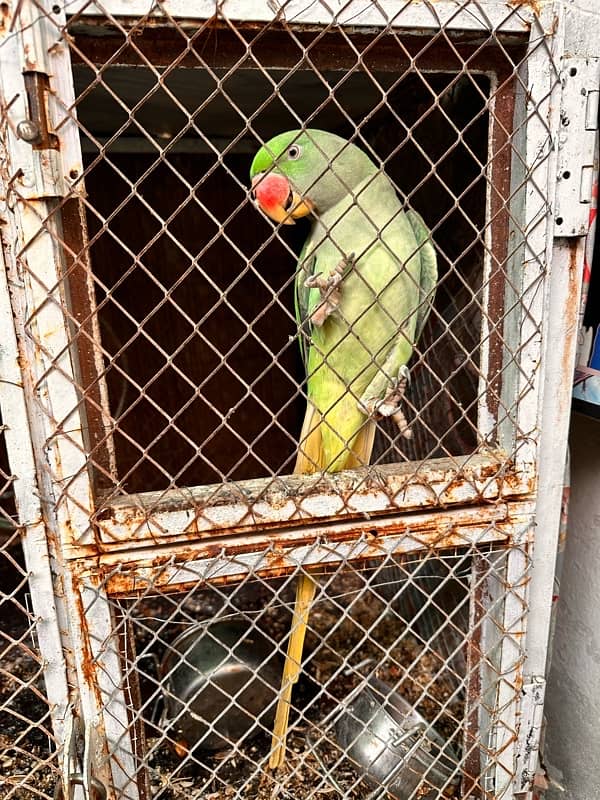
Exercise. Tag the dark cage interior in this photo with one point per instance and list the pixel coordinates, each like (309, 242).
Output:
(401, 621)
(195, 292)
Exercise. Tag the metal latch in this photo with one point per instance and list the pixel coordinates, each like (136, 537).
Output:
(33, 111)
(580, 79)
(35, 128)
(530, 728)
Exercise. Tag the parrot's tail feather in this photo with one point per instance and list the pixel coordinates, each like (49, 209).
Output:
(305, 593)
(311, 451)
(362, 447)
(310, 448)
(311, 458)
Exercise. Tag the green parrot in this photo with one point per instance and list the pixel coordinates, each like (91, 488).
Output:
(364, 287)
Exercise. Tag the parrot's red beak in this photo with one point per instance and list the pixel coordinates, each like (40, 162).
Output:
(277, 199)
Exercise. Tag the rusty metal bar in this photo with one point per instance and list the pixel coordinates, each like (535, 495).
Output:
(253, 506)
(85, 336)
(48, 606)
(227, 558)
(35, 263)
(329, 51)
(472, 745)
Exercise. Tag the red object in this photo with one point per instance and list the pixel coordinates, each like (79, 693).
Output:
(271, 191)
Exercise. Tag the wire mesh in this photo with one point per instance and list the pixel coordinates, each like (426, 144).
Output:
(208, 661)
(26, 742)
(179, 376)
(194, 302)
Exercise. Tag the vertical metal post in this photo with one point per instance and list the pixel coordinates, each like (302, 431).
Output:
(539, 113)
(47, 602)
(36, 176)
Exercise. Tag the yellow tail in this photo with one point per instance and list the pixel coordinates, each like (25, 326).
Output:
(312, 456)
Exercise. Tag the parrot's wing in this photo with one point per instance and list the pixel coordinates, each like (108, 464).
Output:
(429, 273)
(306, 268)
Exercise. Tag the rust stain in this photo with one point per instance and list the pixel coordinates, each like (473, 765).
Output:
(124, 521)
(532, 5)
(514, 483)
(436, 533)
(88, 667)
(502, 121)
(573, 263)
(4, 17)
(571, 314)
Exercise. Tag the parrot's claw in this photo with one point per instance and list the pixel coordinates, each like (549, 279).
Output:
(389, 406)
(330, 290)
(402, 423)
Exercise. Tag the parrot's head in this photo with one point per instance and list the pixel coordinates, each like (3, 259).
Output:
(299, 172)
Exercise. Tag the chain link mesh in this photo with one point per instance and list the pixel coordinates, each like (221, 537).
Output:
(178, 302)
(393, 625)
(194, 302)
(26, 740)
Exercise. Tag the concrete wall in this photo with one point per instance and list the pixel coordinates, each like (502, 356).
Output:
(572, 746)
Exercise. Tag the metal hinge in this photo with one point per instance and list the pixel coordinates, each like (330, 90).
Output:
(530, 728)
(76, 769)
(580, 78)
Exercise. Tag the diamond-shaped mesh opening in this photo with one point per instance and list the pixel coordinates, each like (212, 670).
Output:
(158, 301)
(26, 743)
(402, 652)
(194, 286)
(204, 344)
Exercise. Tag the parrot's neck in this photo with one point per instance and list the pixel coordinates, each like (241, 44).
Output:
(373, 203)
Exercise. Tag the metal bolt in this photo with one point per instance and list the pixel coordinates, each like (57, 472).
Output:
(29, 131)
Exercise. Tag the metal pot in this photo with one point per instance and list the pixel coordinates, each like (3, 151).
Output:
(220, 682)
(393, 745)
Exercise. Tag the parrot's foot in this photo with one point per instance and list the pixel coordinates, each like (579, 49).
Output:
(330, 289)
(390, 404)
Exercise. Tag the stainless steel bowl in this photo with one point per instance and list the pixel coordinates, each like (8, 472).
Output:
(220, 682)
(392, 744)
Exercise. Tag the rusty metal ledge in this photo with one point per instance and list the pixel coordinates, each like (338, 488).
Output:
(288, 501)
(227, 559)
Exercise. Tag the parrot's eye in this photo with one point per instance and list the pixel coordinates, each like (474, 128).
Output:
(294, 152)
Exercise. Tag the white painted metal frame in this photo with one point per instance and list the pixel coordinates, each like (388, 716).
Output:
(169, 515)
(453, 15)
(56, 507)
(48, 606)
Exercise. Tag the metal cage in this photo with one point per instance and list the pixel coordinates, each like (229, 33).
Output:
(153, 391)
